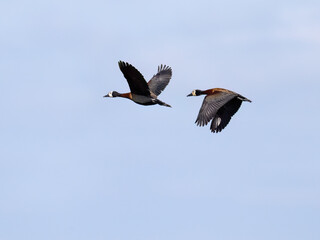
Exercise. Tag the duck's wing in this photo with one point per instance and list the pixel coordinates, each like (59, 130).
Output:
(224, 114)
(160, 80)
(136, 81)
(211, 105)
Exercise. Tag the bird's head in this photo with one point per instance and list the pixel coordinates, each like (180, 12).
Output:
(195, 93)
(112, 94)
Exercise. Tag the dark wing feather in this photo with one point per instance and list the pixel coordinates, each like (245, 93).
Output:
(224, 114)
(136, 82)
(211, 104)
(160, 80)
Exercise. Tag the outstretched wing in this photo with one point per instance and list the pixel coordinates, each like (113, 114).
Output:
(136, 82)
(211, 105)
(160, 80)
(224, 114)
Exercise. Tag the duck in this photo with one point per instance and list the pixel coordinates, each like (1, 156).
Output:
(219, 105)
(142, 92)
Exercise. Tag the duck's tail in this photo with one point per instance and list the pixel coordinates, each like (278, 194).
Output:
(244, 99)
(162, 103)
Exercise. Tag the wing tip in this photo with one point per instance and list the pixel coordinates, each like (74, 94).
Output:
(123, 64)
(164, 67)
(200, 123)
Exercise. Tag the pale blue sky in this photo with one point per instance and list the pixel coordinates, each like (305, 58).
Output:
(74, 165)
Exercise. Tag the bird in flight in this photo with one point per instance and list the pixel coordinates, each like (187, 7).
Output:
(142, 92)
(219, 105)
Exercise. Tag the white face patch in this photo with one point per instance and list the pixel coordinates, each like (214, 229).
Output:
(110, 94)
(194, 93)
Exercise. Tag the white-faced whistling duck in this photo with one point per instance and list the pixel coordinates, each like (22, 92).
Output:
(142, 92)
(219, 105)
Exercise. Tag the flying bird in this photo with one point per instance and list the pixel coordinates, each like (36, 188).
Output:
(142, 92)
(219, 105)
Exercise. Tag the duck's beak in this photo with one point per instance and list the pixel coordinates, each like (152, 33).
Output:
(189, 95)
(106, 96)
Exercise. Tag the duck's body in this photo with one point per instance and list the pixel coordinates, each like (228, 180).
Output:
(219, 105)
(143, 93)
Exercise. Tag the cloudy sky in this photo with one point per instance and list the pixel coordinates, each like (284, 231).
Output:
(74, 165)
